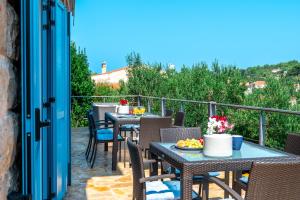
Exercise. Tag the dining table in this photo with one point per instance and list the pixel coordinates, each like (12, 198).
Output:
(192, 163)
(118, 120)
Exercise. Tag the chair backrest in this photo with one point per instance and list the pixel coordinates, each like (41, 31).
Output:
(270, 181)
(138, 172)
(100, 109)
(88, 115)
(292, 144)
(150, 129)
(175, 134)
(92, 124)
(168, 113)
(179, 119)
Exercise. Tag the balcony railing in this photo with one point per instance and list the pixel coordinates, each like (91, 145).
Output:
(161, 105)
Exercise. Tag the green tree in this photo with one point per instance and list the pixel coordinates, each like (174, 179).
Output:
(81, 85)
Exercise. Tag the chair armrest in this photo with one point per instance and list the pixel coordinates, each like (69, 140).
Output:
(221, 184)
(102, 122)
(106, 127)
(174, 126)
(150, 161)
(155, 178)
(135, 130)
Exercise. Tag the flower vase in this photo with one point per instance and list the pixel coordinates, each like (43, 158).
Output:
(123, 109)
(217, 145)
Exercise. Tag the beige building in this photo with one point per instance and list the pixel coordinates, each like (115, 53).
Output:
(111, 78)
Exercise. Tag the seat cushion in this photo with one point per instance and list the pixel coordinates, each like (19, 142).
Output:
(107, 135)
(104, 131)
(162, 190)
(129, 127)
(244, 179)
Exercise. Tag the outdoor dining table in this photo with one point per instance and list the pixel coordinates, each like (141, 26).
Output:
(195, 162)
(118, 120)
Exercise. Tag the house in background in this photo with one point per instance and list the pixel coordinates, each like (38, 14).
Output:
(254, 85)
(111, 78)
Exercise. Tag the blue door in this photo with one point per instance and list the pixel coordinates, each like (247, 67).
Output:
(32, 95)
(45, 43)
(61, 108)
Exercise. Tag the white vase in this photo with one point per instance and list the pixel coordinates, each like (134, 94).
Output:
(123, 109)
(218, 145)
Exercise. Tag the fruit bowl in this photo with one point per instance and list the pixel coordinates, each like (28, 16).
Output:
(190, 144)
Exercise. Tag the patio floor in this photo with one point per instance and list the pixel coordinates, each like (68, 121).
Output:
(101, 182)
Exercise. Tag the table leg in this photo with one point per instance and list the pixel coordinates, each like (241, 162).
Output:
(235, 186)
(186, 186)
(205, 191)
(115, 147)
(226, 180)
(154, 168)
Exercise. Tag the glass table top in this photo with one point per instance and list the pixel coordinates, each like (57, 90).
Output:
(248, 151)
(129, 116)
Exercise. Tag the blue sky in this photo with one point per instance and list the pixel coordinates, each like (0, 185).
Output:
(239, 32)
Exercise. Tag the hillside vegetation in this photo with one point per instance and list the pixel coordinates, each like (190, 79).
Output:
(289, 69)
(226, 84)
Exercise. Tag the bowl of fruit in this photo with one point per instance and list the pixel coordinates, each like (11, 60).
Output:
(190, 144)
(139, 110)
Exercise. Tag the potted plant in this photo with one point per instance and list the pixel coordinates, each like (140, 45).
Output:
(218, 141)
(123, 107)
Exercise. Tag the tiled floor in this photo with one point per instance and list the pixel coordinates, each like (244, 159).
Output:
(100, 182)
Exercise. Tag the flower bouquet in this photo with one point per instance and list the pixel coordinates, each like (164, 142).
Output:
(123, 107)
(217, 141)
(218, 124)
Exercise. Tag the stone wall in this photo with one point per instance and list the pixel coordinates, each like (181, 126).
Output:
(9, 70)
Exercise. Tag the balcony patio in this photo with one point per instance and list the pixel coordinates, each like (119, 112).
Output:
(101, 182)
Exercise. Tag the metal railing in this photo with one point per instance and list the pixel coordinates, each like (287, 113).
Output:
(211, 106)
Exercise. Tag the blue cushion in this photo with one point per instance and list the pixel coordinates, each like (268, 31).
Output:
(212, 174)
(244, 179)
(106, 135)
(162, 190)
(129, 127)
(104, 131)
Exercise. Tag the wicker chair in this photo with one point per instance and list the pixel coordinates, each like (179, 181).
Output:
(150, 130)
(168, 113)
(150, 187)
(270, 181)
(172, 135)
(292, 145)
(179, 119)
(102, 133)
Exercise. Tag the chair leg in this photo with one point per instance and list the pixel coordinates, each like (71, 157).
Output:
(87, 152)
(119, 151)
(93, 162)
(106, 146)
(200, 189)
(124, 152)
(93, 151)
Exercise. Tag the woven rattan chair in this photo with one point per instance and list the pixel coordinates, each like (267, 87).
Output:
(150, 130)
(292, 145)
(102, 133)
(172, 135)
(270, 181)
(150, 188)
(179, 119)
(169, 113)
